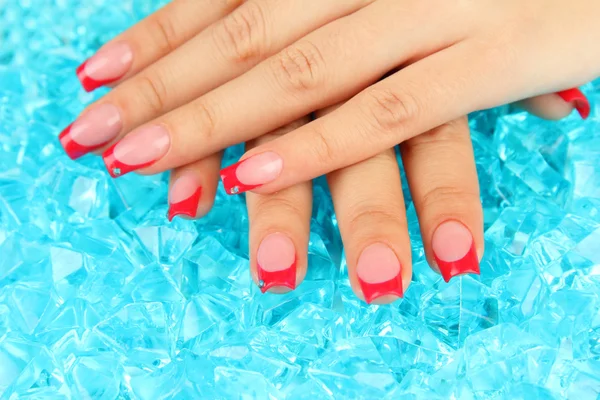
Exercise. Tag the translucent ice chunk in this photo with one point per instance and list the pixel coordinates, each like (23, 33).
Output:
(354, 369)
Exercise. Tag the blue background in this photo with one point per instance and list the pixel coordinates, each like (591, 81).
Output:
(102, 298)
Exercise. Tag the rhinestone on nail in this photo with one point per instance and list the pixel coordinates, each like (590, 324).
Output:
(116, 171)
(261, 284)
(235, 190)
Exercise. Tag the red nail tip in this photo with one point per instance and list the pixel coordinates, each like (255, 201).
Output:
(373, 291)
(269, 279)
(231, 182)
(88, 83)
(187, 207)
(581, 103)
(73, 149)
(469, 264)
(117, 168)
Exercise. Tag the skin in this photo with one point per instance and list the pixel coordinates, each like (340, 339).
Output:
(242, 69)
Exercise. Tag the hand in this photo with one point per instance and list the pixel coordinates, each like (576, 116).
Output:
(370, 210)
(199, 76)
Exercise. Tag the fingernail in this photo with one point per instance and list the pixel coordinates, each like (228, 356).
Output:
(251, 173)
(108, 65)
(379, 272)
(184, 197)
(454, 250)
(580, 102)
(140, 149)
(276, 262)
(92, 130)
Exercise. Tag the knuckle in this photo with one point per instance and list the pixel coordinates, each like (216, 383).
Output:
(154, 91)
(241, 35)
(447, 134)
(282, 205)
(444, 196)
(292, 126)
(166, 33)
(371, 215)
(231, 4)
(322, 146)
(300, 67)
(204, 119)
(389, 110)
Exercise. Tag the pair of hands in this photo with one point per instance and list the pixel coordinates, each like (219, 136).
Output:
(200, 75)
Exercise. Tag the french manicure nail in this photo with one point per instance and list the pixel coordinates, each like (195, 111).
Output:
(580, 102)
(108, 65)
(184, 197)
(140, 149)
(379, 272)
(276, 262)
(454, 250)
(251, 173)
(92, 130)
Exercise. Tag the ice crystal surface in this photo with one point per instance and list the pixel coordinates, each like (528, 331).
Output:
(102, 298)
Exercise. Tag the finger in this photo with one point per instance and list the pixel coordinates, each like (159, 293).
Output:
(279, 231)
(426, 94)
(373, 228)
(150, 39)
(227, 49)
(371, 215)
(193, 188)
(441, 173)
(323, 68)
(555, 106)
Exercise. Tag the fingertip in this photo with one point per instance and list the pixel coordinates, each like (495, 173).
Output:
(186, 206)
(277, 264)
(578, 100)
(556, 106)
(454, 250)
(379, 274)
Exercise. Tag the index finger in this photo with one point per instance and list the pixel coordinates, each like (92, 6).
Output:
(422, 96)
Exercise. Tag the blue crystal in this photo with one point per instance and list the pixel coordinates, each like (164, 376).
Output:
(27, 367)
(315, 324)
(95, 376)
(354, 369)
(503, 354)
(101, 297)
(207, 319)
(459, 309)
(228, 382)
(143, 331)
(165, 243)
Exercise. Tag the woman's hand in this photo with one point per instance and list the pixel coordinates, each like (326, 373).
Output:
(201, 75)
(370, 210)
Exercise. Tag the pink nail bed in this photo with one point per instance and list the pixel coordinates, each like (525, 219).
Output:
(109, 64)
(252, 172)
(184, 197)
(141, 148)
(91, 130)
(183, 187)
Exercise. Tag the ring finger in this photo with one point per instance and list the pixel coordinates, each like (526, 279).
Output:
(442, 177)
